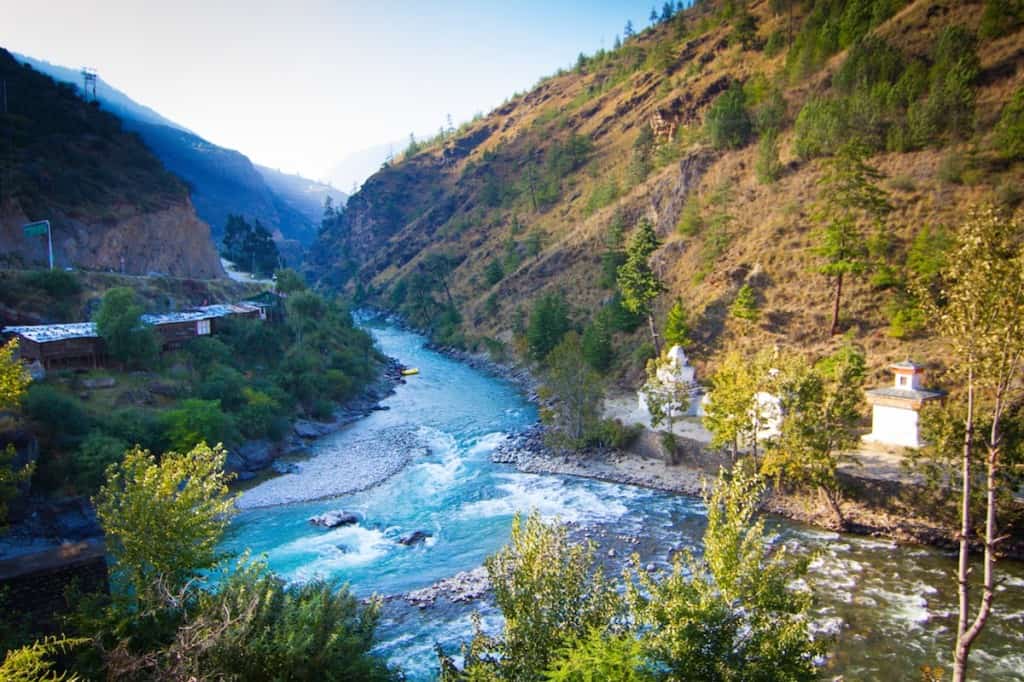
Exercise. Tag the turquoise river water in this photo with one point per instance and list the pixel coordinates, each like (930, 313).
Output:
(887, 609)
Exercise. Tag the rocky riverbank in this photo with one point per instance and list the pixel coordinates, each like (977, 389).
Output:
(529, 454)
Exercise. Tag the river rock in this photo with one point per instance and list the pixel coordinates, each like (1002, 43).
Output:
(334, 519)
(461, 587)
(414, 538)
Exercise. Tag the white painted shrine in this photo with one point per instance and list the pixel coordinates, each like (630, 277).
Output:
(895, 409)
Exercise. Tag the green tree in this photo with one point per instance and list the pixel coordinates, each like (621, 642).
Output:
(744, 30)
(601, 656)
(666, 401)
(305, 310)
(250, 247)
(256, 627)
(1000, 18)
(118, 322)
(548, 323)
(196, 421)
(597, 345)
(35, 662)
(493, 273)
(551, 593)
(734, 415)
(821, 407)
(733, 614)
(577, 392)
(287, 281)
(1009, 133)
(980, 313)
(164, 521)
(677, 326)
(97, 452)
(849, 194)
(728, 122)
(638, 282)
(744, 306)
(14, 377)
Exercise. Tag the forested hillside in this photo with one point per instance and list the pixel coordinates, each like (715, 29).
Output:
(742, 132)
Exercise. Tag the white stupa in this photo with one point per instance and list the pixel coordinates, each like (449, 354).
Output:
(894, 409)
(673, 375)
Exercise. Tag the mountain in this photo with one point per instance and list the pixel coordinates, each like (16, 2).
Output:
(718, 127)
(221, 181)
(110, 201)
(301, 195)
(353, 170)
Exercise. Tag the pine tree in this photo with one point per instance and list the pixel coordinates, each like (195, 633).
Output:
(849, 193)
(639, 284)
(744, 306)
(653, 18)
(677, 327)
(628, 32)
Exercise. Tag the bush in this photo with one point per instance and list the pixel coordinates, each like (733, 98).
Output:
(820, 128)
(127, 339)
(493, 273)
(224, 385)
(690, 221)
(644, 352)
(97, 452)
(197, 421)
(136, 426)
(313, 631)
(728, 122)
(1000, 18)
(61, 416)
(54, 283)
(612, 433)
(1009, 133)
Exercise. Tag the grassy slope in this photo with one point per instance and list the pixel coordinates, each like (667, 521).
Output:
(441, 208)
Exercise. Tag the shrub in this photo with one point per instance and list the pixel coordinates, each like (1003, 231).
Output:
(61, 415)
(612, 433)
(493, 273)
(197, 421)
(1000, 18)
(644, 352)
(97, 452)
(313, 631)
(225, 385)
(54, 283)
(1009, 133)
(136, 426)
(126, 338)
(820, 128)
(728, 122)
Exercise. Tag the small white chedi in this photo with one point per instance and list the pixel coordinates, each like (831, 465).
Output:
(674, 375)
(894, 409)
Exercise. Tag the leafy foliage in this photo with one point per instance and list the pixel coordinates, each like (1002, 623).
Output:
(250, 247)
(551, 593)
(577, 390)
(637, 281)
(728, 121)
(118, 323)
(1009, 133)
(549, 321)
(731, 615)
(164, 521)
(677, 326)
(14, 378)
(744, 306)
(32, 663)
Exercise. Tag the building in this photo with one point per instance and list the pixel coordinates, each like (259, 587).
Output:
(673, 377)
(894, 410)
(79, 345)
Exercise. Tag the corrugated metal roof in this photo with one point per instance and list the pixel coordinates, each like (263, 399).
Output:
(43, 333)
(906, 364)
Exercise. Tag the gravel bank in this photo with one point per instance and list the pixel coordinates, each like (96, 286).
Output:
(339, 468)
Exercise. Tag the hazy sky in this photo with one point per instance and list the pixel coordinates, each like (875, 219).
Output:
(298, 85)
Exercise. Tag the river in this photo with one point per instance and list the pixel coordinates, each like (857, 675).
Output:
(888, 609)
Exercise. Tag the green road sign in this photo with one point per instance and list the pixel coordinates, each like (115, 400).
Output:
(37, 229)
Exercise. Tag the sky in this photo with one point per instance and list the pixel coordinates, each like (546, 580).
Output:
(300, 85)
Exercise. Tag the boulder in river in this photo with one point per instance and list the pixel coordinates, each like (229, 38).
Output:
(414, 538)
(333, 519)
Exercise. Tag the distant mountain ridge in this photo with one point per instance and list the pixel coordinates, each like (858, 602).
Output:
(221, 181)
